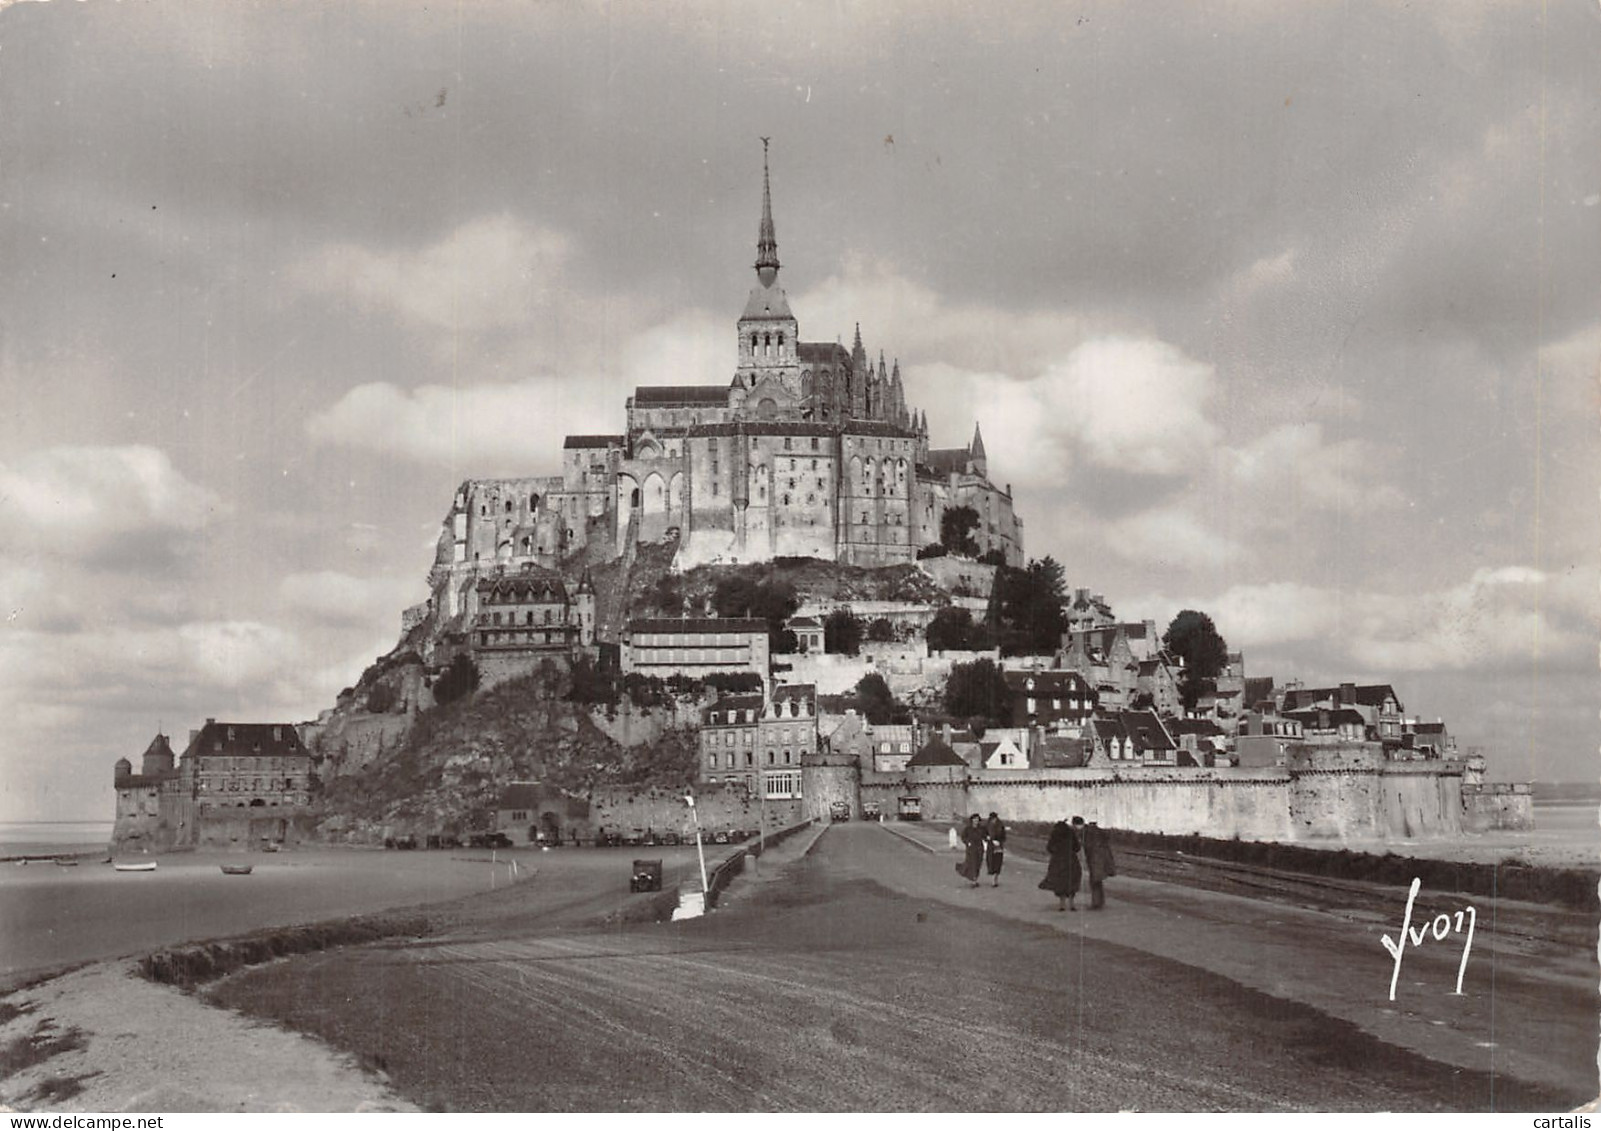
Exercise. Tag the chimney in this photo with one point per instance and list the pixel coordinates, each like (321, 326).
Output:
(211, 722)
(1347, 694)
(194, 735)
(945, 732)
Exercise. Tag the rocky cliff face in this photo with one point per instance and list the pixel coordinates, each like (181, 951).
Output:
(448, 771)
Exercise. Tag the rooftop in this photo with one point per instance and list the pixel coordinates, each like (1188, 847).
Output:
(697, 624)
(698, 395)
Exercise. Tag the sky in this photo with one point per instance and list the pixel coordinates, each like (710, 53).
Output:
(1285, 312)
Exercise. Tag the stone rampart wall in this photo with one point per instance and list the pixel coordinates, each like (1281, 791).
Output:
(1497, 805)
(620, 809)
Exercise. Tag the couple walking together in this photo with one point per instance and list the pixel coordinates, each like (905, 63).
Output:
(985, 846)
(1064, 874)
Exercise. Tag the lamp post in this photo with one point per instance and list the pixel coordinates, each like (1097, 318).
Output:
(689, 799)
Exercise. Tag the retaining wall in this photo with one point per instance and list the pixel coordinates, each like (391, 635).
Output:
(1497, 805)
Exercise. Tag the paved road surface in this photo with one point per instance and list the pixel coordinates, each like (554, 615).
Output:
(866, 977)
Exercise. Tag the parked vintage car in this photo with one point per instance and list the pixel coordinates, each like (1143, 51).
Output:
(839, 811)
(647, 876)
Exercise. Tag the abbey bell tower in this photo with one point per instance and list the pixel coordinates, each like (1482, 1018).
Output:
(768, 349)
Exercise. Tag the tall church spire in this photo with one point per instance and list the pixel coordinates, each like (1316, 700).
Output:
(766, 239)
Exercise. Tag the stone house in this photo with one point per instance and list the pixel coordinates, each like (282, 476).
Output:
(1107, 661)
(1158, 679)
(530, 613)
(1055, 699)
(1264, 738)
(247, 766)
(528, 813)
(891, 746)
(1424, 741)
(808, 633)
(1325, 724)
(695, 646)
(729, 731)
(1377, 703)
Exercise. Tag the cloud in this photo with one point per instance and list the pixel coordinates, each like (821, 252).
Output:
(100, 502)
(1293, 467)
(1169, 537)
(1495, 619)
(488, 274)
(516, 427)
(333, 598)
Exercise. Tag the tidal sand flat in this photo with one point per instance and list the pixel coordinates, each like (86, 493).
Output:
(52, 916)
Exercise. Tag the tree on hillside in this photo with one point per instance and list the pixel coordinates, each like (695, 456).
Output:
(881, 631)
(952, 629)
(1194, 639)
(842, 632)
(459, 679)
(979, 690)
(1031, 604)
(876, 699)
(669, 595)
(774, 601)
(956, 528)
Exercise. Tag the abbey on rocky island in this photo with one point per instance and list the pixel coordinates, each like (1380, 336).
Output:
(810, 450)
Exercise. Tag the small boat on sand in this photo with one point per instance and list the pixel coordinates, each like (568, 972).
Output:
(147, 866)
(237, 869)
(60, 863)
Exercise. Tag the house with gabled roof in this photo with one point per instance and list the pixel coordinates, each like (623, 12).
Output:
(1157, 679)
(1133, 736)
(1377, 703)
(1326, 724)
(1105, 659)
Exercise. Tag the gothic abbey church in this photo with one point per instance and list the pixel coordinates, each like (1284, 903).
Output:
(809, 451)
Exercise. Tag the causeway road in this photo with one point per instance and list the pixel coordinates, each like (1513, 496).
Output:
(859, 972)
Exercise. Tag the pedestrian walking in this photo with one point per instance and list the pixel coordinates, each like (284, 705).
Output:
(994, 848)
(1098, 860)
(1063, 874)
(973, 861)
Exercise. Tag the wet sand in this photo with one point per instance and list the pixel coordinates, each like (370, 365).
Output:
(52, 916)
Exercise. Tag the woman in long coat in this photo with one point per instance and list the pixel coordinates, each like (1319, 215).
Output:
(1062, 874)
(973, 839)
(1098, 861)
(994, 848)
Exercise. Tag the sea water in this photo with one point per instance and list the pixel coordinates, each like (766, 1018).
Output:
(43, 838)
